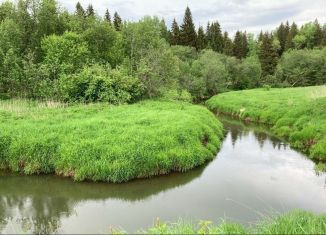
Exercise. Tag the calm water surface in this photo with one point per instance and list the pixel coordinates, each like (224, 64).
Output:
(253, 175)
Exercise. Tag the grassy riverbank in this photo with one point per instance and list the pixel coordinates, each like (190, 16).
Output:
(106, 143)
(297, 222)
(298, 114)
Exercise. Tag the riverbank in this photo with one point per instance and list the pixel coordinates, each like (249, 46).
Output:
(297, 222)
(297, 114)
(99, 142)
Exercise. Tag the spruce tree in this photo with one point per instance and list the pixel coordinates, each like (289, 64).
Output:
(282, 34)
(201, 39)
(215, 40)
(260, 37)
(117, 21)
(164, 31)
(188, 32)
(107, 16)
(80, 10)
(175, 34)
(289, 40)
(227, 45)
(237, 45)
(318, 35)
(268, 55)
(244, 45)
(90, 11)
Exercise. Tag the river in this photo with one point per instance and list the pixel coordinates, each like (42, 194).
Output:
(254, 175)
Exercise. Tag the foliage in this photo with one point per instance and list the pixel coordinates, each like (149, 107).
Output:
(64, 54)
(100, 84)
(296, 222)
(298, 114)
(302, 68)
(106, 143)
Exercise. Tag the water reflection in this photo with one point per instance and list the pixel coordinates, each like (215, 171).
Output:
(41, 201)
(254, 174)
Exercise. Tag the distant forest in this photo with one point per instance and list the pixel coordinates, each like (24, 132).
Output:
(49, 53)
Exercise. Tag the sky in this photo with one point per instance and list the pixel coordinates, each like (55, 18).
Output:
(249, 15)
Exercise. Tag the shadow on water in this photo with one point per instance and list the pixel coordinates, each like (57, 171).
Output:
(253, 172)
(43, 200)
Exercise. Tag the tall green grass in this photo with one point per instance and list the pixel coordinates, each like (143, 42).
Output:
(297, 222)
(298, 114)
(106, 143)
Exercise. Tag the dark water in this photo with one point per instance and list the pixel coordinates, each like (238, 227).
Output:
(253, 175)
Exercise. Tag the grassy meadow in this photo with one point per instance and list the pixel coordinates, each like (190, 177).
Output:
(297, 114)
(296, 222)
(100, 142)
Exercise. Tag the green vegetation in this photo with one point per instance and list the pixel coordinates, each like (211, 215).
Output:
(106, 143)
(49, 53)
(297, 222)
(298, 114)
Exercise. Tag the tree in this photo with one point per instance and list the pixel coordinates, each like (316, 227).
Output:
(318, 36)
(80, 12)
(227, 45)
(289, 40)
(215, 38)
(90, 11)
(102, 41)
(107, 16)
(282, 33)
(10, 36)
(175, 33)
(117, 21)
(188, 32)
(64, 54)
(267, 55)
(302, 68)
(240, 45)
(201, 39)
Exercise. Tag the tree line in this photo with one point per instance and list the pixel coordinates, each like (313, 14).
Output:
(47, 52)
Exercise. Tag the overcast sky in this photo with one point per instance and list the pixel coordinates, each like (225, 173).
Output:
(250, 15)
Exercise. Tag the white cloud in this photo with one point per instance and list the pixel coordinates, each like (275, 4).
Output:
(250, 15)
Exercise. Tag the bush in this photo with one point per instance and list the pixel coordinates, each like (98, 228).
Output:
(100, 84)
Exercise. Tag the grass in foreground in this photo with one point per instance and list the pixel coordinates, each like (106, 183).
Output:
(106, 143)
(298, 114)
(297, 222)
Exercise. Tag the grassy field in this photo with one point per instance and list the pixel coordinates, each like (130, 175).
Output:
(297, 222)
(298, 114)
(106, 143)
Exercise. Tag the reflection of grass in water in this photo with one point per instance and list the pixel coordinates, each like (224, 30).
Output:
(297, 222)
(54, 197)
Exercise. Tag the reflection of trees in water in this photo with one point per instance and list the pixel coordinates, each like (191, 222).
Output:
(239, 130)
(42, 201)
(36, 214)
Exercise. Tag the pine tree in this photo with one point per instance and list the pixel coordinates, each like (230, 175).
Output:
(215, 40)
(240, 45)
(289, 40)
(201, 39)
(244, 45)
(227, 45)
(188, 32)
(268, 55)
(282, 33)
(164, 31)
(90, 11)
(80, 10)
(318, 35)
(260, 37)
(107, 16)
(117, 21)
(175, 34)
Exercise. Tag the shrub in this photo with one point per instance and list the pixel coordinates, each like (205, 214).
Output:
(100, 84)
